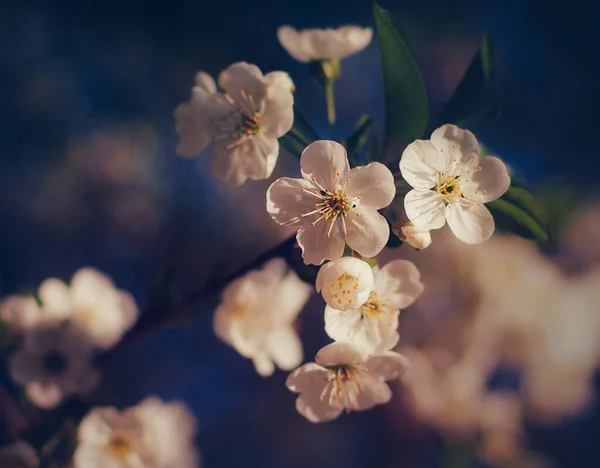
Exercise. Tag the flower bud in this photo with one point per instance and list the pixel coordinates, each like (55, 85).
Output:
(412, 236)
(345, 283)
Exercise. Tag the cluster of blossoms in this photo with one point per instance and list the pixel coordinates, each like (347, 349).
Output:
(152, 434)
(334, 209)
(60, 332)
(495, 310)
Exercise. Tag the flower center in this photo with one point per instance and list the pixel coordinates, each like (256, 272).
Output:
(344, 384)
(54, 362)
(344, 289)
(374, 308)
(333, 204)
(449, 187)
(238, 311)
(119, 447)
(87, 315)
(241, 123)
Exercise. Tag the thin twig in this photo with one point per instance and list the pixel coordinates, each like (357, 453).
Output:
(150, 322)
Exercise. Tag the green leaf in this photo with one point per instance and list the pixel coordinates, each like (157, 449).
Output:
(304, 125)
(523, 199)
(292, 145)
(359, 137)
(487, 119)
(472, 93)
(512, 219)
(405, 98)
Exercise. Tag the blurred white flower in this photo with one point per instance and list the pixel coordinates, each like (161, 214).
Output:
(18, 455)
(319, 44)
(451, 183)
(413, 236)
(579, 239)
(330, 192)
(244, 122)
(565, 351)
(94, 305)
(344, 377)
(257, 314)
(191, 122)
(345, 283)
(374, 325)
(53, 363)
(152, 434)
(21, 313)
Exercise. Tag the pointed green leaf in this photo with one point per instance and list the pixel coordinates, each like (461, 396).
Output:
(405, 98)
(512, 219)
(523, 199)
(291, 144)
(358, 138)
(472, 93)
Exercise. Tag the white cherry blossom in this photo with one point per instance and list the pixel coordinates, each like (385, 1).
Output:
(321, 44)
(54, 362)
(93, 304)
(244, 121)
(345, 283)
(257, 314)
(21, 313)
(344, 377)
(333, 204)
(374, 325)
(451, 183)
(152, 434)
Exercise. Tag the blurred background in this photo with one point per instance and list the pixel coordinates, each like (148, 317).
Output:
(89, 176)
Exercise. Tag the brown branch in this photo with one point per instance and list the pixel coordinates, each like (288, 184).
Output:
(16, 422)
(150, 322)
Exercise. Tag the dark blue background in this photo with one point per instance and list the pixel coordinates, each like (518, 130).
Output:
(70, 67)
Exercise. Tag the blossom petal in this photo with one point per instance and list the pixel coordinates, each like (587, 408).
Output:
(56, 298)
(387, 366)
(287, 201)
(492, 177)
(285, 348)
(323, 160)
(23, 367)
(206, 82)
(45, 396)
(291, 41)
(90, 286)
(194, 133)
(338, 353)
(374, 393)
(368, 231)
(242, 76)
(471, 224)
(254, 159)
(354, 39)
(294, 293)
(419, 163)
(374, 336)
(316, 246)
(281, 79)
(408, 279)
(263, 364)
(278, 114)
(425, 209)
(310, 406)
(374, 184)
(306, 376)
(456, 143)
